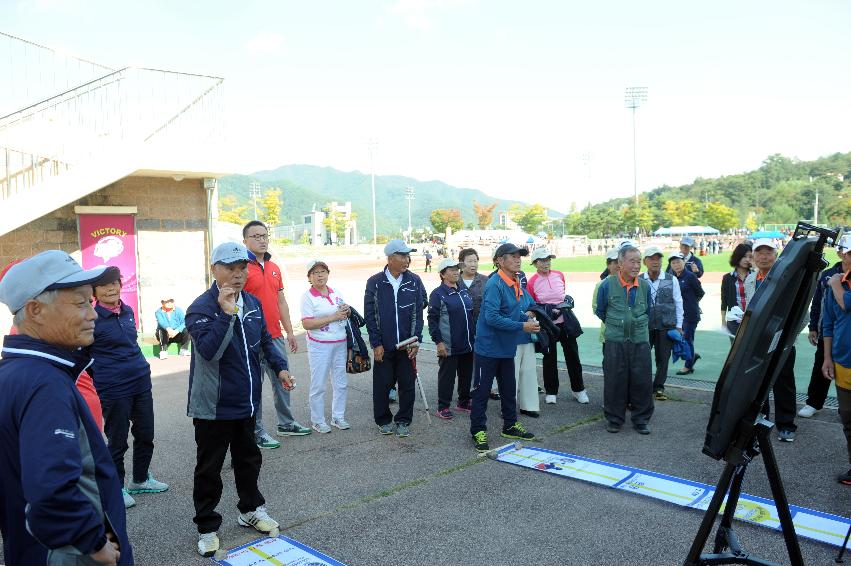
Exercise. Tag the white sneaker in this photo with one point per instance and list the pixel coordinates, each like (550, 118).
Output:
(321, 428)
(184, 352)
(208, 544)
(163, 354)
(260, 520)
(581, 397)
(342, 424)
(807, 411)
(550, 399)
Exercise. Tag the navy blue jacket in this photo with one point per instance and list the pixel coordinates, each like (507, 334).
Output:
(688, 261)
(58, 486)
(691, 291)
(501, 319)
(120, 368)
(390, 320)
(818, 296)
(224, 374)
(450, 318)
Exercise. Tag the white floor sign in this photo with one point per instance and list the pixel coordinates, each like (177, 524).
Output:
(281, 551)
(808, 523)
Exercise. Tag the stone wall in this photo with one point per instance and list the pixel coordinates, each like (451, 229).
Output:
(171, 228)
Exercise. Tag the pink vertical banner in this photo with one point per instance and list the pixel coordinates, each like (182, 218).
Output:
(110, 239)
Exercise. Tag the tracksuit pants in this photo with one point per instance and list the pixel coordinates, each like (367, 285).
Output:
(819, 385)
(280, 395)
(327, 358)
(785, 403)
(395, 368)
(661, 345)
(213, 438)
(526, 378)
(485, 371)
(627, 380)
(844, 398)
(130, 415)
(689, 327)
(460, 365)
(571, 360)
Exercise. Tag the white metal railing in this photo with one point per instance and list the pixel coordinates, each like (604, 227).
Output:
(126, 106)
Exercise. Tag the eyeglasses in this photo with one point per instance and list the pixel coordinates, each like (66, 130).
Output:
(260, 237)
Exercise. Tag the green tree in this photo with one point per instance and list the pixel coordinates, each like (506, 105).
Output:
(231, 211)
(683, 212)
(484, 214)
(271, 204)
(720, 216)
(441, 218)
(641, 216)
(530, 218)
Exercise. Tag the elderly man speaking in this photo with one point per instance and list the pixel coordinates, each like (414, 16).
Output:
(60, 493)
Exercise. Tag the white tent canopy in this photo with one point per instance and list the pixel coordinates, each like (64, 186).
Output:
(685, 230)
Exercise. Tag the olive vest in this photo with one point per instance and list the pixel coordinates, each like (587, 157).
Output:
(625, 323)
(663, 312)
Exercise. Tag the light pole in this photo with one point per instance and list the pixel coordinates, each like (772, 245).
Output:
(409, 196)
(372, 146)
(254, 192)
(633, 98)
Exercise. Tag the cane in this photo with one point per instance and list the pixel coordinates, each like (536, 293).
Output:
(844, 546)
(405, 344)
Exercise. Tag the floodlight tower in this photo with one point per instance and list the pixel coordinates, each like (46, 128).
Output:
(634, 97)
(409, 196)
(372, 146)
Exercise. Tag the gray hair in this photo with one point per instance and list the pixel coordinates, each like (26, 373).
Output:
(625, 250)
(45, 297)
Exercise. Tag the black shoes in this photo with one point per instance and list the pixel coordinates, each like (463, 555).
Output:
(642, 428)
(613, 427)
(533, 414)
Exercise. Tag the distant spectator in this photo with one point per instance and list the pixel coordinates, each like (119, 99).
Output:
(692, 262)
(733, 286)
(692, 292)
(171, 329)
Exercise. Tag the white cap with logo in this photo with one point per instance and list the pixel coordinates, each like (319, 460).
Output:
(541, 253)
(763, 242)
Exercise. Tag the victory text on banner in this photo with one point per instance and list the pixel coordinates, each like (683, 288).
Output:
(685, 493)
(280, 551)
(110, 239)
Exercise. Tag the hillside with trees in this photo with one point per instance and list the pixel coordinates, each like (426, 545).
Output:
(781, 191)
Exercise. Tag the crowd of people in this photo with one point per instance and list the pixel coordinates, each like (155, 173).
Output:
(68, 498)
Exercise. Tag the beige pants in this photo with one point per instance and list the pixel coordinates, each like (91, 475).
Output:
(526, 377)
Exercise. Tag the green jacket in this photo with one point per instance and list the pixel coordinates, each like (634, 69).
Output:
(625, 322)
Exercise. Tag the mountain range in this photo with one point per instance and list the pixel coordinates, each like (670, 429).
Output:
(307, 186)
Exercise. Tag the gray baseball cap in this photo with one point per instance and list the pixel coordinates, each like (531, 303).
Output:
(447, 262)
(53, 269)
(688, 241)
(229, 252)
(397, 247)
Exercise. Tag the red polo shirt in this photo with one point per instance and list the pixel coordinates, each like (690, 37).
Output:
(264, 282)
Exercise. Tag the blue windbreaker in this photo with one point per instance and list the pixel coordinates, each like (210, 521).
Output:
(119, 368)
(450, 318)
(390, 319)
(224, 374)
(59, 491)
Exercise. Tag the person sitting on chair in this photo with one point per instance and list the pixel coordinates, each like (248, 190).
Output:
(171, 329)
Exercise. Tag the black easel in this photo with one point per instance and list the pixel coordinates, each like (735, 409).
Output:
(838, 559)
(727, 549)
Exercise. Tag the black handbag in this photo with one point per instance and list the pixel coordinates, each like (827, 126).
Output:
(357, 356)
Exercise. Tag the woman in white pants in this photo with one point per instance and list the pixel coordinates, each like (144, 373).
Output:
(323, 315)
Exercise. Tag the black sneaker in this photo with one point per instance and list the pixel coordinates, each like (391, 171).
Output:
(517, 431)
(541, 390)
(844, 478)
(533, 414)
(494, 395)
(642, 428)
(612, 427)
(480, 441)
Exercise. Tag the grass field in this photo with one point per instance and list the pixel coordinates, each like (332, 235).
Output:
(596, 263)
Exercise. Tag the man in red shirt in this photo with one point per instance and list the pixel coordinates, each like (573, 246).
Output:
(266, 283)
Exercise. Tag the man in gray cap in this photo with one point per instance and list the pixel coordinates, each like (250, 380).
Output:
(665, 313)
(60, 489)
(393, 305)
(228, 332)
(693, 263)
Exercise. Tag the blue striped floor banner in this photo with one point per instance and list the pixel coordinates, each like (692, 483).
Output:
(815, 525)
(278, 551)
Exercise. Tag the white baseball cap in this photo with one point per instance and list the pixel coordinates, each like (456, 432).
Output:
(314, 262)
(612, 254)
(844, 243)
(760, 242)
(541, 253)
(53, 269)
(654, 250)
(675, 255)
(447, 262)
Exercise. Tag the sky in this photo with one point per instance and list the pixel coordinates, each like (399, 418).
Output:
(520, 100)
